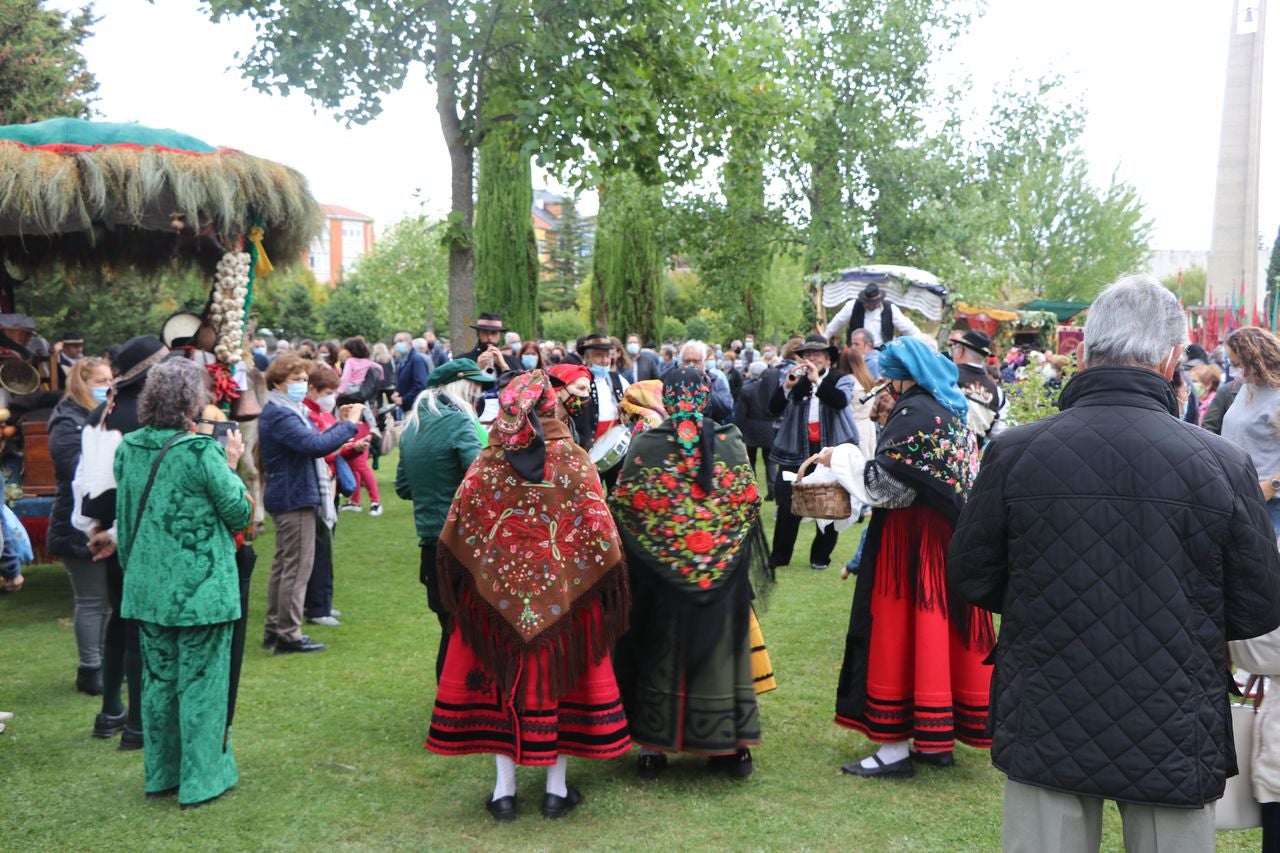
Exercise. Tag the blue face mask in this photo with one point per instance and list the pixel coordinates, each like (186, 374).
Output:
(529, 361)
(100, 394)
(633, 349)
(748, 346)
(402, 348)
(259, 350)
(296, 391)
(600, 371)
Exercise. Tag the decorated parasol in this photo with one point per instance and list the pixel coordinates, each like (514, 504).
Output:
(103, 195)
(905, 286)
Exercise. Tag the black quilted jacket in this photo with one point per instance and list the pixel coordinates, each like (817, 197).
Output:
(1123, 548)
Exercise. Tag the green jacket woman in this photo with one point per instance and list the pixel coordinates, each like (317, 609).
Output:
(177, 548)
(440, 440)
(180, 562)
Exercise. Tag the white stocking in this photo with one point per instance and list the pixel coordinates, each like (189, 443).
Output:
(888, 753)
(506, 784)
(556, 774)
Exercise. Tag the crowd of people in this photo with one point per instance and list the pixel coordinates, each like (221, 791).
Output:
(594, 546)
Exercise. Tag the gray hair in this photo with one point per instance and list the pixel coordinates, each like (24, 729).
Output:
(462, 393)
(697, 346)
(1135, 321)
(757, 369)
(174, 394)
(420, 344)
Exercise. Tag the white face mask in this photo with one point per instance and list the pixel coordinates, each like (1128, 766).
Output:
(327, 402)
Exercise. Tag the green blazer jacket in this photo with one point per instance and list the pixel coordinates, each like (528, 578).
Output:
(180, 561)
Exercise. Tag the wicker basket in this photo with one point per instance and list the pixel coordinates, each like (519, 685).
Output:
(819, 500)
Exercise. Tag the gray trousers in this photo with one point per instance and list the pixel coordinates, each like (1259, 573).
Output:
(1037, 820)
(290, 571)
(93, 608)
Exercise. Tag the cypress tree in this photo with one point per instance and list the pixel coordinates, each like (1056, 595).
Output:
(628, 258)
(507, 268)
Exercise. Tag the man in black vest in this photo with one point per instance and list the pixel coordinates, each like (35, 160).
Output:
(871, 311)
(970, 351)
(607, 386)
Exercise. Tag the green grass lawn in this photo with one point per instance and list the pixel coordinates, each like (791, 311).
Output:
(330, 745)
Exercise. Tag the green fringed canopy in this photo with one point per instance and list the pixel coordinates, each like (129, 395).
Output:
(102, 194)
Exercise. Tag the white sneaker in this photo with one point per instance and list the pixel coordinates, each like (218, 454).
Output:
(375, 509)
(333, 612)
(327, 621)
(350, 507)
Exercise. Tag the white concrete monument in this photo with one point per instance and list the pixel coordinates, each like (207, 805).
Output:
(1233, 251)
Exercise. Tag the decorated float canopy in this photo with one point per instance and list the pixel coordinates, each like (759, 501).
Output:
(94, 193)
(906, 287)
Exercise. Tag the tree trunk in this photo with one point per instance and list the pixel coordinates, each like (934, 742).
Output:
(462, 295)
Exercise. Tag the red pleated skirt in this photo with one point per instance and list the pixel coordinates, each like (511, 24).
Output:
(471, 717)
(923, 683)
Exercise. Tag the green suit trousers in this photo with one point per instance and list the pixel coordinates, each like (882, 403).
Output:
(185, 681)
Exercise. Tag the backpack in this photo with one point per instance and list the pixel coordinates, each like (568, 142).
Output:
(371, 385)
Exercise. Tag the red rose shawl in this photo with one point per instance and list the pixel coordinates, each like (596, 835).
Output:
(520, 561)
(688, 511)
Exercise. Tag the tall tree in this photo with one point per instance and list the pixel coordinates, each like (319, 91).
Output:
(608, 78)
(566, 260)
(862, 67)
(1057, 235)
(43, 74)
(628, 257)
(406, 275)
(507, 268)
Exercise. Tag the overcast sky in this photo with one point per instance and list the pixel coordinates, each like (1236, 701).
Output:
(1150, 72)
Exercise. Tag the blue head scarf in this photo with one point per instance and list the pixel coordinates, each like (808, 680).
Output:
(909, 358)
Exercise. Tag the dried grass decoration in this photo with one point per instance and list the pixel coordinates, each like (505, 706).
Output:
(92, 194)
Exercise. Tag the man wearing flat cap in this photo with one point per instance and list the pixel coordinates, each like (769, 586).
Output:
(871, 311)
(970, 351)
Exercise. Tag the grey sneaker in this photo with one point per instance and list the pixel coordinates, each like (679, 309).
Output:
(327, 621)
(350, 507)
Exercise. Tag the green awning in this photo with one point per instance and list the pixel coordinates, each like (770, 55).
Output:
(1064, 311)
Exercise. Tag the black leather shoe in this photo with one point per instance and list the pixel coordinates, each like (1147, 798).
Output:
(737, 765)
(160, 795)
(503, 809)
(651, 766)
(554, 808)
(130, 739)
(937, 759)
(899, 769)
(304, 644)
(269, 640)
(108, 725)
(89, 680)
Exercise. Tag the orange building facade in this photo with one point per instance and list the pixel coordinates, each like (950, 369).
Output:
(347, 235)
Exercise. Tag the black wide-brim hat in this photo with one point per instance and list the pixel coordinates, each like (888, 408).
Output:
(979, 342)
(596, 342)
(491, 323)
(817, 343)
(135, 357)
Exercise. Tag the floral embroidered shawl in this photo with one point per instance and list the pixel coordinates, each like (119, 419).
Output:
(929, 447)
(520, 561)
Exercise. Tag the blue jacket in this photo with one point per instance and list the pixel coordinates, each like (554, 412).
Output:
(289, 449)
(411, 377)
